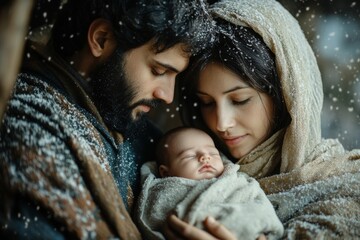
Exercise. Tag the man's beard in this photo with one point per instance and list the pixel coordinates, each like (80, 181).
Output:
(112, 94)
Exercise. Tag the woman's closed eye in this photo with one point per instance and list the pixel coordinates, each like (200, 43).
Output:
(241, 102)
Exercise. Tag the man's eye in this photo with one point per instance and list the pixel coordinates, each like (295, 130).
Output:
(157, 72)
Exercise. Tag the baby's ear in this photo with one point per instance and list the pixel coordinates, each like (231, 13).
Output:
(164, 171)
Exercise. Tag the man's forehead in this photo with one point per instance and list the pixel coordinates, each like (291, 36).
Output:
(175, 57)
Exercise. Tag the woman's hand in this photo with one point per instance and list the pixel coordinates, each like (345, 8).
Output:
(178, 229)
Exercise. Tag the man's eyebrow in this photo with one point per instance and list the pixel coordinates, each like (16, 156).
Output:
(171, 68)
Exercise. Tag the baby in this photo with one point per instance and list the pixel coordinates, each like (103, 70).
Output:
(188, 153)
(193, 180)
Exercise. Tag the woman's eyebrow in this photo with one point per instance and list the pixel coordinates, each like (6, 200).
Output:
(227, 91)
(235, 89)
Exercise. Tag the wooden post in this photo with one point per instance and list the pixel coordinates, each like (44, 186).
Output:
(14, 21)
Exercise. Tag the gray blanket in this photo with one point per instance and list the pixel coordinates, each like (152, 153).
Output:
(234, 199)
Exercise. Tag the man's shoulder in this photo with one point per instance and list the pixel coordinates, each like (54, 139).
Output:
(39, 104)
(34, 96)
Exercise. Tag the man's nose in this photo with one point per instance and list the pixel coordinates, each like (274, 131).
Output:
(165, 92)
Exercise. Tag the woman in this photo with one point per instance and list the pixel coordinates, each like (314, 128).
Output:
(258, 91)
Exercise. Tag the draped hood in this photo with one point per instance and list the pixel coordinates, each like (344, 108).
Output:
(297, 69)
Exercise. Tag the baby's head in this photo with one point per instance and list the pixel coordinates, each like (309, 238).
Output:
(189, 153)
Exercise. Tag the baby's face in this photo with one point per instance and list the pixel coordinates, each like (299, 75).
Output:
(192, 154)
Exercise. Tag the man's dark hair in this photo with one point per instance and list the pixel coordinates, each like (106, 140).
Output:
(134, 22)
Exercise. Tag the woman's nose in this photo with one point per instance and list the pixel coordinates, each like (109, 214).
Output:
(225, 120)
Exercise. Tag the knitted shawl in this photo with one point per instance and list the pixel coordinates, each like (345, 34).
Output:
(54, 156)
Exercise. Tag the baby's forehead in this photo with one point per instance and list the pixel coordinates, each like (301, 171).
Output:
(186, 140)
(191, 145)
(189, 133)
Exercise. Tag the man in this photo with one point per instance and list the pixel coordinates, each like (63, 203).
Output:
(74, 134)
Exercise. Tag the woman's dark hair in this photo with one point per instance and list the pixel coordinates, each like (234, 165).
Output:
(242, 51)
(134, 22)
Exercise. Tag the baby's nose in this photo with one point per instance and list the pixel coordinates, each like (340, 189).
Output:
(205, 158)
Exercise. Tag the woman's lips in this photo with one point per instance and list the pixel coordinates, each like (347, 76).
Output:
(231, 141)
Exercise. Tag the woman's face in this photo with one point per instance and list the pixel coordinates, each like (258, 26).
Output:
(237, 113)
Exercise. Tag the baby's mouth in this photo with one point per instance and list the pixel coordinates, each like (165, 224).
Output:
(205, 168)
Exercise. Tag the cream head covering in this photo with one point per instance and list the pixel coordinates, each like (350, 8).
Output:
(297, 69)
